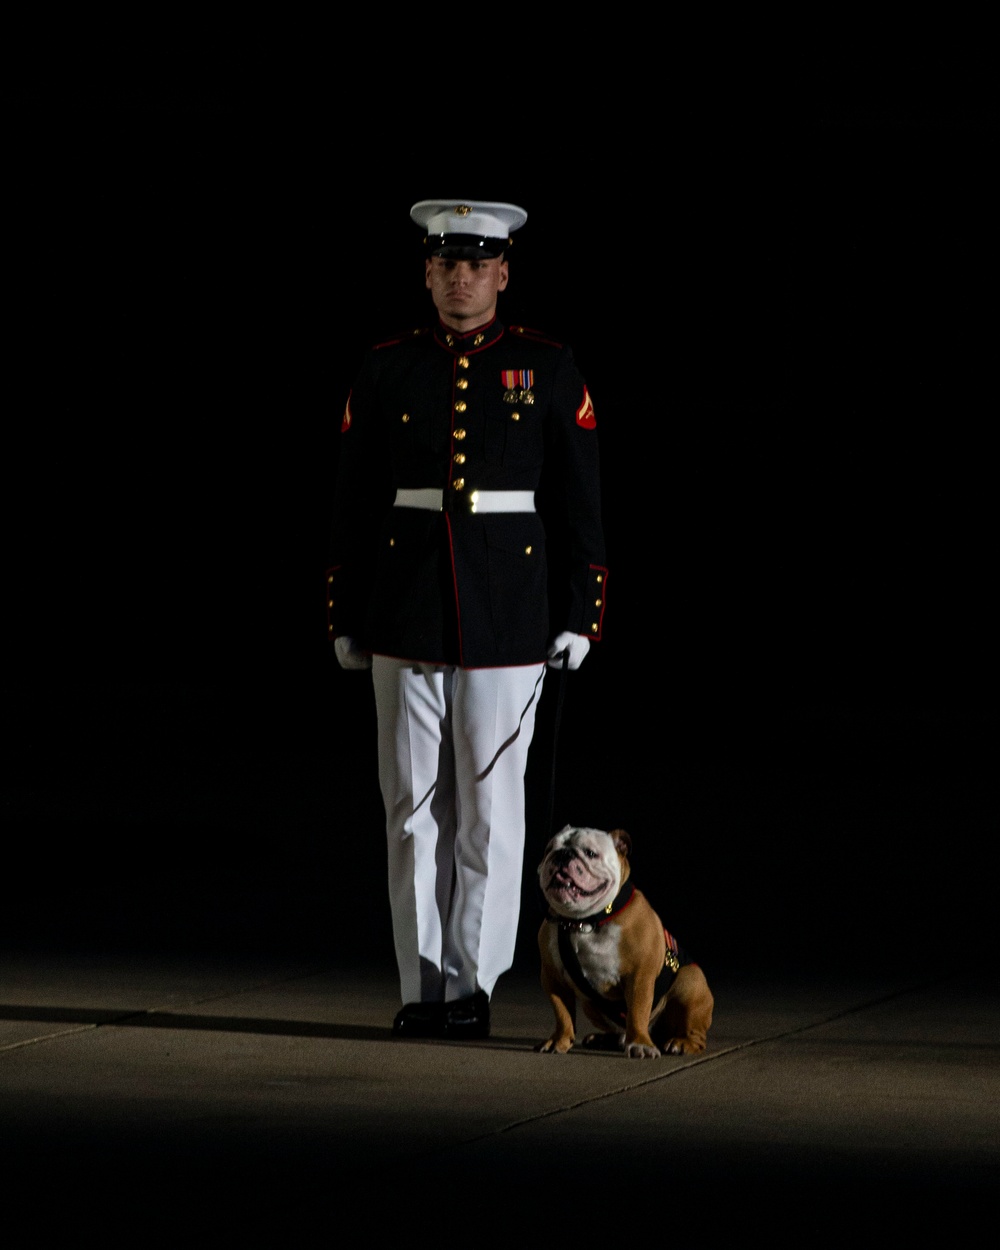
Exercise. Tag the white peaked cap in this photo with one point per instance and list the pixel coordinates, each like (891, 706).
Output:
(483, 219)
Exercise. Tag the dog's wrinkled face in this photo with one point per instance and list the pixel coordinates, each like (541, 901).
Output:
(582, 870)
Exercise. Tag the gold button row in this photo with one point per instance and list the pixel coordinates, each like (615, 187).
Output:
(596, 625)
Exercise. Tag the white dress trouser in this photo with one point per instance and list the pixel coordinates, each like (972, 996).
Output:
(453, 748)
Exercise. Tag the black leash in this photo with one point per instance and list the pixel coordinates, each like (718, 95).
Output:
(555, 743)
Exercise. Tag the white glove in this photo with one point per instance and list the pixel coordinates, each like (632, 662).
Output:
(576, 644)
(350, 655)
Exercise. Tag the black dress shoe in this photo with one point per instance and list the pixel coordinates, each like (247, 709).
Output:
(420, 1020)
(468, 1017)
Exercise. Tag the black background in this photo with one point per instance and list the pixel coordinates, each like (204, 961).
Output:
(785, 315)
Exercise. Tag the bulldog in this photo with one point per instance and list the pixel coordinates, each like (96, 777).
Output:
(602, 944)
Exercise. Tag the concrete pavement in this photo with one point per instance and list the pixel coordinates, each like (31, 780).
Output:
(173, 1095)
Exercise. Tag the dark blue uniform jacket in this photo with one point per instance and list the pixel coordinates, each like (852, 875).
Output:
(501, 409)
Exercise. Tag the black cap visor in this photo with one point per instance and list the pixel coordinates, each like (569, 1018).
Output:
(465, 246)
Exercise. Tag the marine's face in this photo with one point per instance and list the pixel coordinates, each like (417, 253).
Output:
(465, 291)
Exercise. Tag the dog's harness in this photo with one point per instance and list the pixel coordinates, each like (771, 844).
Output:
(673, 961)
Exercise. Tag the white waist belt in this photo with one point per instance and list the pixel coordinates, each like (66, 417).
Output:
(432, 499)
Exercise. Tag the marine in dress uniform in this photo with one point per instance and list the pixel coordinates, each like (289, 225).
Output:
(468, 554)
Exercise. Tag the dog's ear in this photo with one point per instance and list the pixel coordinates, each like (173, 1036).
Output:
(623, 843)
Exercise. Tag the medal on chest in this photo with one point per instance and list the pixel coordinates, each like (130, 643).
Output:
(517, 386)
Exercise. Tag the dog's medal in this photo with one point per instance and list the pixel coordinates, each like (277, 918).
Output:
(672, 960)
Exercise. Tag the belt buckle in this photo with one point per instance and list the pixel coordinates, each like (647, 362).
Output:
(459, 501)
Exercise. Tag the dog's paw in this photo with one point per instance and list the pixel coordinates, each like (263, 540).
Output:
(554, 1046)
(641, 1050)
(682, 1046)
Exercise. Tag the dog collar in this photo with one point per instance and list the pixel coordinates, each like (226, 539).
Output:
(617, 904)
